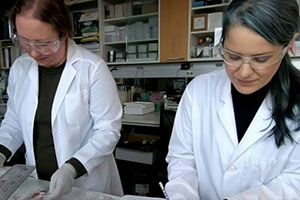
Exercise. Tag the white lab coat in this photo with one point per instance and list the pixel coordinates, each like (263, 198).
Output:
(86, 116)
(207, 162)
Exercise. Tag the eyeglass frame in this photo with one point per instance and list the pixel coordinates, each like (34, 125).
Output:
(247, 59)
(33, 44)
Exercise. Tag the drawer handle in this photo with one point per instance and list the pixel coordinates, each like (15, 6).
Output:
(178, 58)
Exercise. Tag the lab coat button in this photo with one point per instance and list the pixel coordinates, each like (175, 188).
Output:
(231, 168)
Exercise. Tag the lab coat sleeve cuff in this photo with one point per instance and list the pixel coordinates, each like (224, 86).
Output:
(78, 166)
(5, 151)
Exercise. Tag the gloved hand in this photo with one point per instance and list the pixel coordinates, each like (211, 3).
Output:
(2, 159)
(61, 182)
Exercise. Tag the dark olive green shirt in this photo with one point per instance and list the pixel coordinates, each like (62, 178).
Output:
(46, 163)
(45, 157)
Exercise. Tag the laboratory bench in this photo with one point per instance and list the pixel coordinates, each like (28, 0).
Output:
(144, 165)
(31, 185)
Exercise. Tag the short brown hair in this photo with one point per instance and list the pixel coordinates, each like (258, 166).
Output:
(54, 12)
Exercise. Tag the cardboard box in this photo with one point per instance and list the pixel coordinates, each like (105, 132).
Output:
(111, 9)
(127, 9)
(149, 8)
(199, 22)
(119, 10)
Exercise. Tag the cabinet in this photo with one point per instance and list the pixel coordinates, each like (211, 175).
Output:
(174, 30)
(130, 31)
(139, 155)
(86, 23)
(204, 20)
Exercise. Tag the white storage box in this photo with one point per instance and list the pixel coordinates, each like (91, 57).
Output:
(214, 20)
(131, 48)
(142, 48)
(111, 28)
(152, 47)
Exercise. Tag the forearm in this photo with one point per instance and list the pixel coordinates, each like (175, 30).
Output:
(78, 166)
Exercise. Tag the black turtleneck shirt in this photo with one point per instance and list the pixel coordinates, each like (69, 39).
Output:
(245, 107)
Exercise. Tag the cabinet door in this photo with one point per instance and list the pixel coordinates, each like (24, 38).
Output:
(174, 30)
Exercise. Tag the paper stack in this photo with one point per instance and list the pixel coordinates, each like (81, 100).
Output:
(138, 108)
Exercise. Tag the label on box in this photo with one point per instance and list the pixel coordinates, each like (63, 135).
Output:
(199, 23)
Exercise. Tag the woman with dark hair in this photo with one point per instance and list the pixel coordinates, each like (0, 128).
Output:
(63, 104)
(236, 132)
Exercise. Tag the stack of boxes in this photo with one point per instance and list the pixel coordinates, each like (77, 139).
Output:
(133, 33)
(142, 52)
(127, 9)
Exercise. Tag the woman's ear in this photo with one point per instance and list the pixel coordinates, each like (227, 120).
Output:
(296, 36)
(292, 44)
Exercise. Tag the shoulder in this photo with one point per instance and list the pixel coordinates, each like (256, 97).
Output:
(209, 81)
(81, 58)
(22, 64)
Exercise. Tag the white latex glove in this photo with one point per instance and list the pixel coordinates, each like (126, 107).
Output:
(2, 159)
(61, 182)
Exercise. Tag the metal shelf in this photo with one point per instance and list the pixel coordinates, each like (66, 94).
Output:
(133, 17)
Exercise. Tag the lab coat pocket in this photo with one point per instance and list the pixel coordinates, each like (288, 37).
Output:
(264, 170)
(76, 107)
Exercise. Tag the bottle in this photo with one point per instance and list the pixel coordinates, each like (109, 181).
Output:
(111, 56)
(207, 47)
(199, 48)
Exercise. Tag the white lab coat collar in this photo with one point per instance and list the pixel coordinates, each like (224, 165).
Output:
(254, 132)
(66, 78)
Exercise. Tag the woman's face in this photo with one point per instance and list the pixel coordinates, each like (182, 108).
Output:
(41, 41)
(243, 41)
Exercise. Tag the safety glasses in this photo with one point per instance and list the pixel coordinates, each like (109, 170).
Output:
(43, 47)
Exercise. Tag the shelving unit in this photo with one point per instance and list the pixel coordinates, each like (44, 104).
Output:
(129, 32)
(203, 13)
(85, 7)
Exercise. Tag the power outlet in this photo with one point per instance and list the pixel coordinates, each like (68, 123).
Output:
(189, 73)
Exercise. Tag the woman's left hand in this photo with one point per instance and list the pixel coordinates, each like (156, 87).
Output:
(61, 182)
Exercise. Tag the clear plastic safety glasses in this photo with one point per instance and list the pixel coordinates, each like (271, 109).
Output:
(43, 47)
(262, 61)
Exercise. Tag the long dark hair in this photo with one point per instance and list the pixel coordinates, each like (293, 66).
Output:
(276, 21)
(53, 12)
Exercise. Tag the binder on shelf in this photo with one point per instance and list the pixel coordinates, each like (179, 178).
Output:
(8, 54)
(5, 57)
